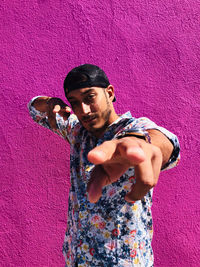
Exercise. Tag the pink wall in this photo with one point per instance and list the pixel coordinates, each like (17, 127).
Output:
(150, 51)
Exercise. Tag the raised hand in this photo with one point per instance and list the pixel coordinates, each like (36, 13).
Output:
(56, 105)
(114, 157)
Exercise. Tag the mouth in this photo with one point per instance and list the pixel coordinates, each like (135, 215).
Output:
(89, 119)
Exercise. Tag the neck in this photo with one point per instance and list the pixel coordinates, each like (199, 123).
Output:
(112, 118)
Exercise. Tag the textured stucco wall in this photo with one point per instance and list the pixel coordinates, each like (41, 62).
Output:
(150, 51)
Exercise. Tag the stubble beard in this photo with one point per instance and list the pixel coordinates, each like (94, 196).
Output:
(105, 116)
(98, 132)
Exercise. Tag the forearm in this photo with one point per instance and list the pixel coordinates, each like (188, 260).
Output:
(40, 103)
(161, 141)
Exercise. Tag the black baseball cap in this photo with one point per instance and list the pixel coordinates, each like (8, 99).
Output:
(86, 75)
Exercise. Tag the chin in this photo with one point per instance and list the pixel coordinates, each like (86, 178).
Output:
(98, 130)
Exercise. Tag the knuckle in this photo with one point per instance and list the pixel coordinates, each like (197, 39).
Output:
(131, 140)
(151, 183)
(149, 180)
(157, 152)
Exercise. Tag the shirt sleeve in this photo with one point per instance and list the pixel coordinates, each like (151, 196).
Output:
(141, 125)
(146, 124)
(64, 128)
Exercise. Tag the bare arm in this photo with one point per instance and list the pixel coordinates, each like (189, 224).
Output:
(40, 103)
(161, 141)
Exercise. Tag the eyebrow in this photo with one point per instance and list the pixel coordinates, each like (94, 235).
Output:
(82, 94)
(88, 91)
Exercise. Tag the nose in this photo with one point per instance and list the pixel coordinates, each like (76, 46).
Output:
(85, 108)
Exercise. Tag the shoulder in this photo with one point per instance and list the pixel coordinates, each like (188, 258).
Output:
(145, 122)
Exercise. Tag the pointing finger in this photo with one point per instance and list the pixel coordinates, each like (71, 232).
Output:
(126, 150)
(147, 174)
(144, 181)
(65, 112)
(102, 153)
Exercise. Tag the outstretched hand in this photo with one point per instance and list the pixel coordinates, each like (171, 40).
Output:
(113, 158)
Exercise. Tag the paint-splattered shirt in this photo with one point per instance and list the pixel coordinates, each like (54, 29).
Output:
(111, 232)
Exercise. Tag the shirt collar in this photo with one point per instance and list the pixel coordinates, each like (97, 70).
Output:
(123, 117)
(117, 125)
(113, 127)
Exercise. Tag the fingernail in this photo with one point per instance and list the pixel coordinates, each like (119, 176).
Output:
(56, 108)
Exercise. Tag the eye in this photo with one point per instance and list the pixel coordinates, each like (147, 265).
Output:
(90, 98)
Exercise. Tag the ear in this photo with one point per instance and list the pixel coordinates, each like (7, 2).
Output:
(110, 92)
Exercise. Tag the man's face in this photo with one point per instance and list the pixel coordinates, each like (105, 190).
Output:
(93, 108)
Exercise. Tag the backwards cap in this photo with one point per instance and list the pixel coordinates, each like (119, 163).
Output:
(83, 76)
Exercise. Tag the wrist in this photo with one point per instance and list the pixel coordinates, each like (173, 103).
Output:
(48, 99)
(144, 136)
(40, 103)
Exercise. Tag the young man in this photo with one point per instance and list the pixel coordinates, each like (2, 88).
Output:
(115, 162)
